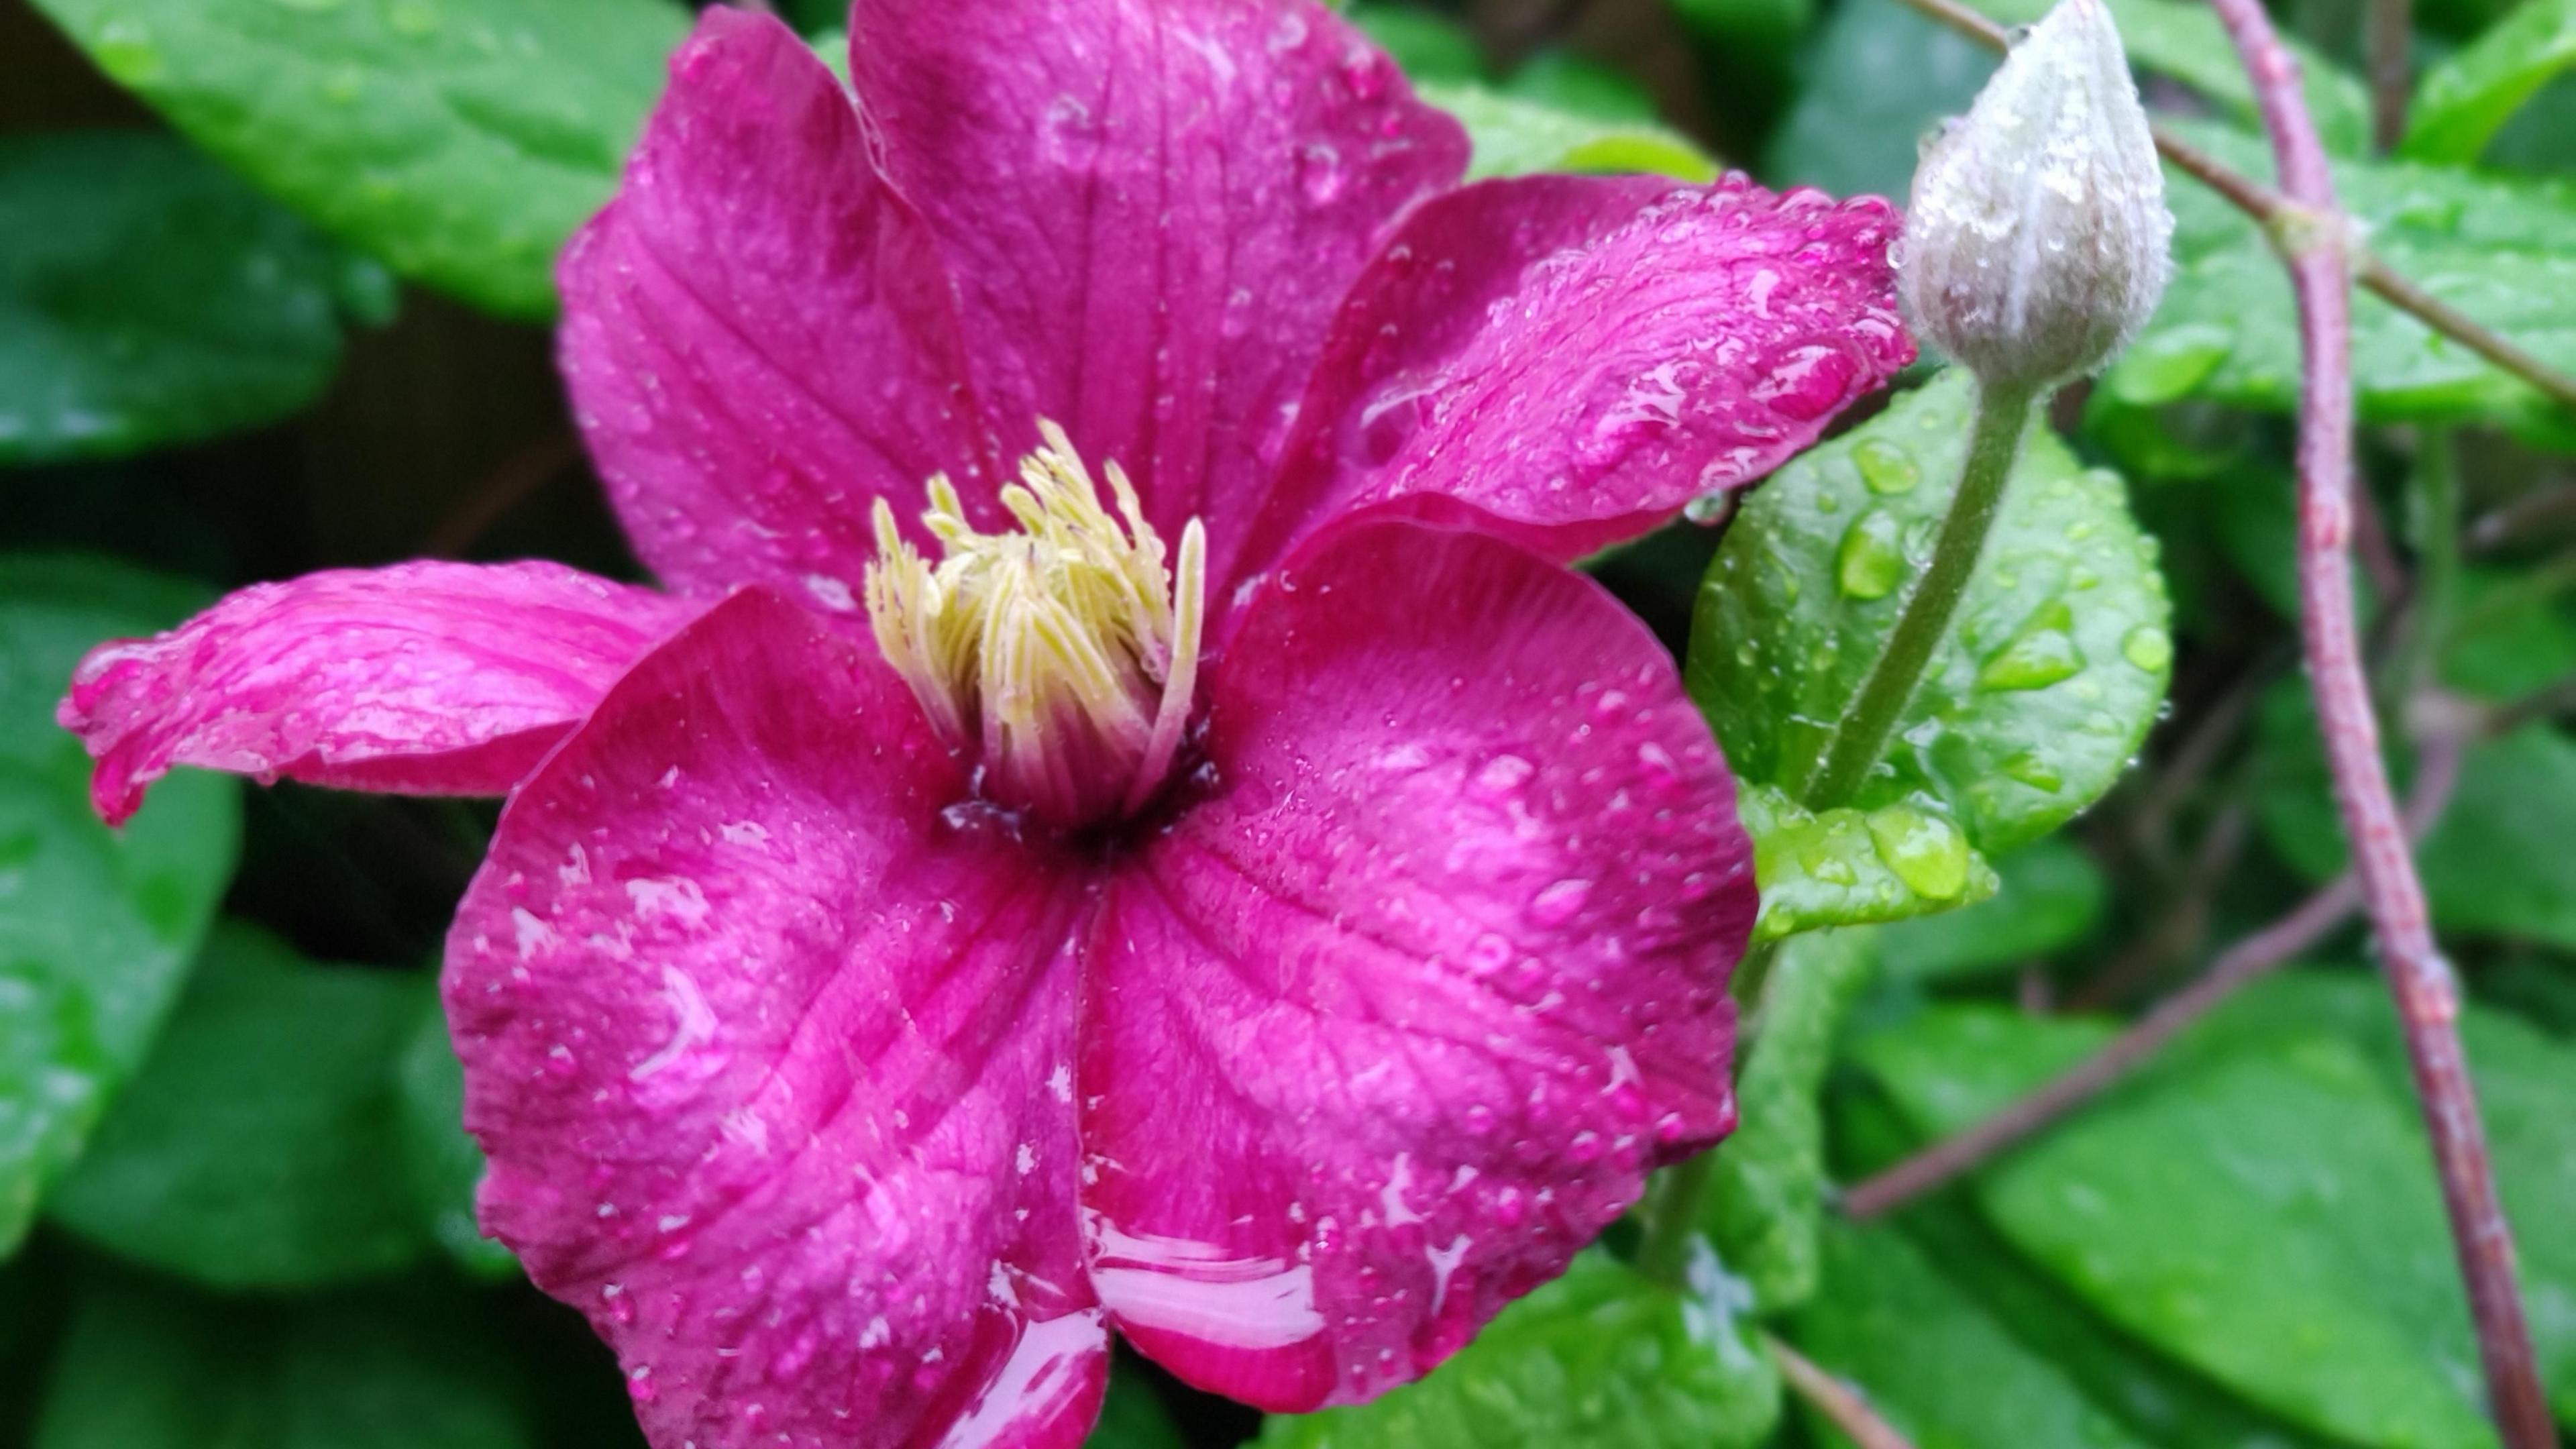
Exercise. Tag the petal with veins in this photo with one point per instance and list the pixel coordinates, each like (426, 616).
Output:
(784, 1135)
(1397, 1014)
(423, 678)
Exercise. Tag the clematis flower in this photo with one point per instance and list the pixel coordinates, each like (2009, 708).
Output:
(1122, 819)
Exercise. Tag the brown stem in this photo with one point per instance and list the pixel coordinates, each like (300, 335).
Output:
(504, 488)
(2274, 211)
(2249, 959)
(1835, 1399)
(2427, 995)
(2392, 69)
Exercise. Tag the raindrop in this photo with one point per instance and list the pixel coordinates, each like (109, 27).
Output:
(1871, 561)
(2039, 655)
(1886, 468)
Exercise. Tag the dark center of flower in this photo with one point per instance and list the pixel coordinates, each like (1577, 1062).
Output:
(1066, 650)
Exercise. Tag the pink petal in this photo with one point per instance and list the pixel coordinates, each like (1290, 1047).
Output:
(1152, 208)
(1398, 1015)
(423, 678)
(758, 337)
(771, 1053)
(1579, 357)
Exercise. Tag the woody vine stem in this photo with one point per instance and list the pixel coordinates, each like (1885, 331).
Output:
(2427, 998)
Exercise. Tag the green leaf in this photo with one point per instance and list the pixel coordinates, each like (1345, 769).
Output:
(2464, 100)
(151, 299)
(97, 927)
(1848, 867)
(260, 1146)
(1133, 1417)
(1428, 45)
(1934, 1361)
(2513, 633)
(2051, 896)
(1515, 137)
(460, 141)
(1766, 1194)
(2260, 1204)
(1877, 78)
(1577, 83)
(1601, 1356)
(2050, 679)
(442, 1163)
(2183, 40)
(2497, 864)
(150, 1367)
(2495, 248)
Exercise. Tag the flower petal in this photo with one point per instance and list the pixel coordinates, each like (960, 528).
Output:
(1397, 1015)
(423, 678)
(770, 1049)
(1152, 208)
(758, 336)
(1579, 357)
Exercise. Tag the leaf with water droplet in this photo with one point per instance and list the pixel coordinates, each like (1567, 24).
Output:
(1601, 1355)
(97, 927)
(1850, 867)
(153, 298)
(459, 141)
(2025, 715)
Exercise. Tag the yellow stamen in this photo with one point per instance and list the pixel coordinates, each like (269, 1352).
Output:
(1067, 650)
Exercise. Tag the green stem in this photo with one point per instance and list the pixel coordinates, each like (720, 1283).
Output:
(2003, 416)
(2428, 620)
(1673, 1212)
(1672, 1220)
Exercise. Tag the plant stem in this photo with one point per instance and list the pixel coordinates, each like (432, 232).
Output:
(2391, 42)
(1835, 1399)
(2250, 959)
(2003, 416)
(2269, 208)
(1672, 1219)
(2427, 996)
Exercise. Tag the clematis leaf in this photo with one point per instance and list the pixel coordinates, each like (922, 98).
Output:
(2050, 896)
(2260, 1204)
(2467, 97)
(2496, 864)
(1845, 867)
(155, 299)
(97, 927)
(1428, 45)
(442, 1163)
(2031, 708)
(148, 1366)
(1517, 137)
(1599, 1356)
(1767, 1194)
(2493, 247)
(259, 1147)
(460, 141)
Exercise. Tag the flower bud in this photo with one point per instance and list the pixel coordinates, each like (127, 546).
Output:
(2037, 241)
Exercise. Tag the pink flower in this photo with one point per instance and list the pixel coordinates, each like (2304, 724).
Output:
(1275, 910)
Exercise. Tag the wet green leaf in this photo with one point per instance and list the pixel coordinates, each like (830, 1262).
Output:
(97, 927)
(2260, 1203)
(2050, 896)
(1600, 1356)
(1429, 46)
(1516, 137)
(149, 1366)
(260, 1146)
(2056, 664)
(2493, 247)
(2497, 863)
(1132, 1417)
(443, 1164)
(2183, 41)
(2462, 102)
(150, 298)
(1848, 867)
(460, 141)
(1767, 1189)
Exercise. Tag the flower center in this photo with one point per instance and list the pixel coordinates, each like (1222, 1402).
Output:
(1066, 649)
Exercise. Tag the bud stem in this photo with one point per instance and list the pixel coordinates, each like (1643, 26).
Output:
(2003, 416)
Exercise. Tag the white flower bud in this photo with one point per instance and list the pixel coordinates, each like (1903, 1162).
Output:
(2038, 238)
